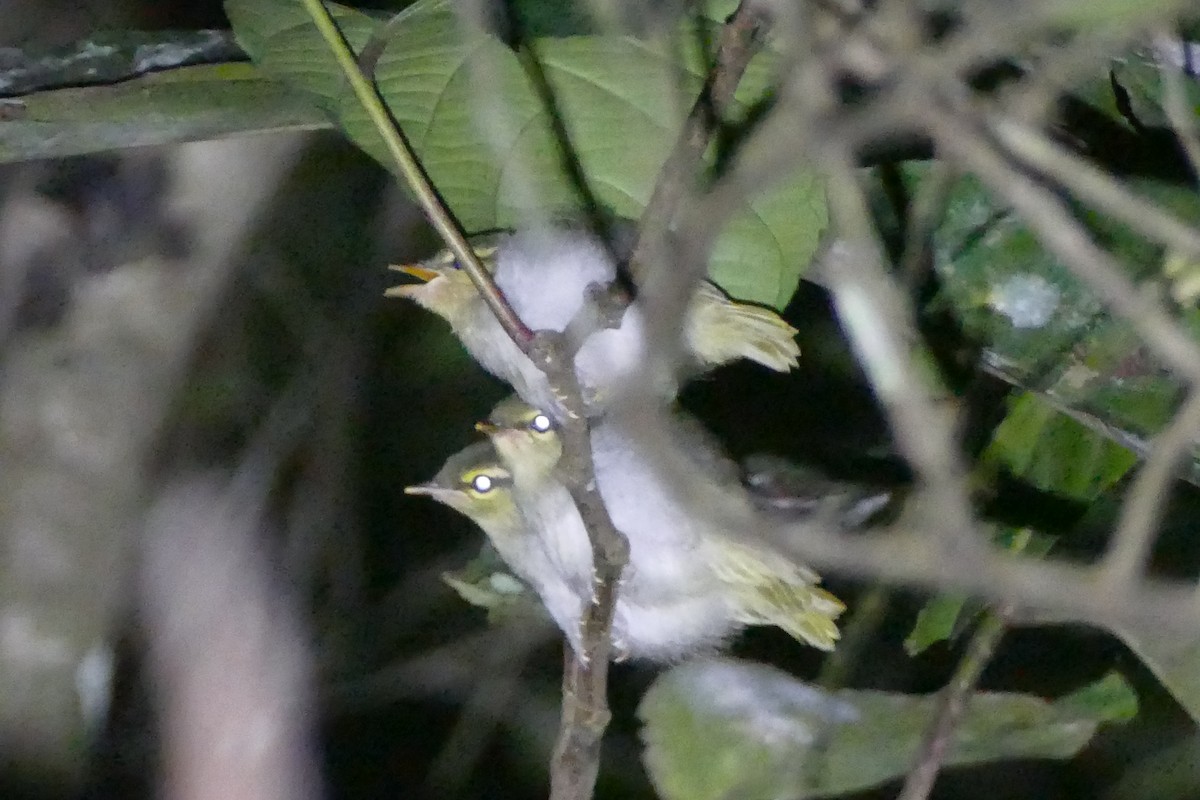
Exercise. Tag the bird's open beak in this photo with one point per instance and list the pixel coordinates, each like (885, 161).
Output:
(423, 274)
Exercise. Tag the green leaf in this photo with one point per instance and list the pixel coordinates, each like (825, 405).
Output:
(468, 109)
(179, 105)
(1056, 453)
(724, 728)
(936, 622)
(485, 582)
(1046, 332)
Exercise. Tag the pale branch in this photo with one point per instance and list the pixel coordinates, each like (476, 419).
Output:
(1093, 186)
(1174, 56)
(879, 320)
(951, 704)
(1147, 499)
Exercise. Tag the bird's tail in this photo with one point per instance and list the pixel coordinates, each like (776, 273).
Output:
(769, 589)
(721, 330)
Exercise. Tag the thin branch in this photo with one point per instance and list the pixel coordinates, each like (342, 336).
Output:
(1094, 186)
(585, 701)
(952, 702)
(739, 40)
(878, 318)
(1143, 510)
(414, 175)
(1175, 100)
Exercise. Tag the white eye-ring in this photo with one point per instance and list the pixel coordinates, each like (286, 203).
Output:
(540, 423)
(482, 484)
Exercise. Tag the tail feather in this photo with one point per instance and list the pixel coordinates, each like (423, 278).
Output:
(720, 330)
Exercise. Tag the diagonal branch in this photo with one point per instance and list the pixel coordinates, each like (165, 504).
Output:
(585, 706)
(738, 42)
(1143, 509)
(415, 176)
(952, 702)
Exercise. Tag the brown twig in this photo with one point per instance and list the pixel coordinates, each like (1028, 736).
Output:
(585, 705)
(952, 702)
(738, 41)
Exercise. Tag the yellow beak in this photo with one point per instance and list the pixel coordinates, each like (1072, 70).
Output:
(423, 274)
(487, 427)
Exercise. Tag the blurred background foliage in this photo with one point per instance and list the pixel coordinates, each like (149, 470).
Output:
(357, 397)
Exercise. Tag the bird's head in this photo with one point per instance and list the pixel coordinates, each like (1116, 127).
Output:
(474, 483)
(442, 286)
(526, 439)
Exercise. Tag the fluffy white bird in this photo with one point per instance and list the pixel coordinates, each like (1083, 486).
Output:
(689, 584)
(545, 275)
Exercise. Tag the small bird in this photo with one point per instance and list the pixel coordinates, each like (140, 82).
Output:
(543, 541)
(546, 275)
(678, 557)
(476, 484)
(791, 490)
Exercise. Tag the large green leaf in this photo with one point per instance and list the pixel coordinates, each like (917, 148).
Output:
(724, 728)
(206, 101)
(467, 107)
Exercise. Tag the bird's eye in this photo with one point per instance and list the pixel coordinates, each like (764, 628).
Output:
(540, 423)
(482, 484)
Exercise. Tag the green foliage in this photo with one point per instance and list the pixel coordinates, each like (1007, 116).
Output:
(724, 728)
(1056, 453)
(621, 99)
(937, 621)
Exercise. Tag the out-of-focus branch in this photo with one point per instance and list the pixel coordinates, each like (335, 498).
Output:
(878, 318)
(585, 698)
(952, 702)
(739, 39)
(1094, 186)
(1147, 499)
(81, 407)
(228, 657)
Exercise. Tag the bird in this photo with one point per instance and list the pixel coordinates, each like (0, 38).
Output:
(546, 275)
(476, 484)
(661, 629)
(677, 553)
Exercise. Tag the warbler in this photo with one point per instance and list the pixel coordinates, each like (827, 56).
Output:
(545, 275)
(476, 484)
(676, 554)
(663, 627)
